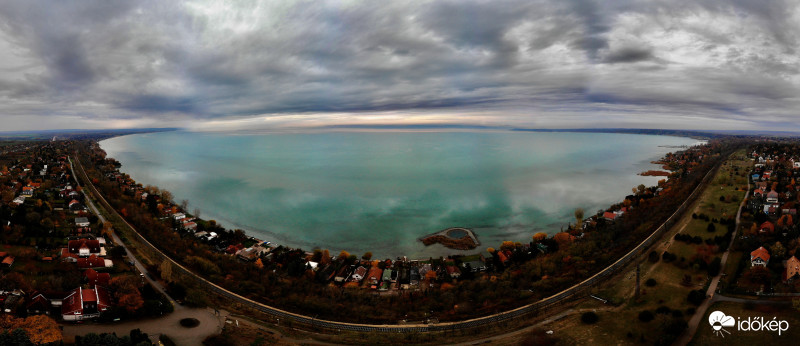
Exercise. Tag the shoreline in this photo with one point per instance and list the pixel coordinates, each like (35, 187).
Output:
(255, 233)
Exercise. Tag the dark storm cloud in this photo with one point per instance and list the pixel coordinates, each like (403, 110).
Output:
(545, 62)
(628, 55)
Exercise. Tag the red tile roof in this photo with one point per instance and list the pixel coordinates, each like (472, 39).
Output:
(91, 262)
(761, 253)
(73, 304)
(92, 244)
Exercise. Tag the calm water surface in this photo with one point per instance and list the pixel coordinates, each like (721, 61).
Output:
(380, 191)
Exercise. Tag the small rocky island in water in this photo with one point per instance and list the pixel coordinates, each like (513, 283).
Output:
(457, 238)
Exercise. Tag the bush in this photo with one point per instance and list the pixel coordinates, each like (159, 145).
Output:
(653, 257)
(646, 316)
(663, 310)
(714, 267)
(650, 282)
(589, 317)
(696, 297)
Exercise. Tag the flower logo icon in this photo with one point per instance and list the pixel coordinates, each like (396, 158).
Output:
(718, 320)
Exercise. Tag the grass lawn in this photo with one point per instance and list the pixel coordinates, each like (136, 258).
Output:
(705, 335)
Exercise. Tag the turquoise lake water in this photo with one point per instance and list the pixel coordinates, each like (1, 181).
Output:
(380, 191)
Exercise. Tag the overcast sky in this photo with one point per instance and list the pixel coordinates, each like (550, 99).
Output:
(551, 64)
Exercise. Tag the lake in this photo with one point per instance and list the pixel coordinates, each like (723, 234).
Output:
(380, 191)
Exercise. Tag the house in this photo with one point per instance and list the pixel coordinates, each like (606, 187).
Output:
(374, 276)
(759, 257)
(178, 216)
(81, 222)
(13, 302)
(342, 274)
(8, 261)
(772, 197)
(252, 253)
(19, 200)
(387, 276)
(792, 269)
(767, 227)
(83, 304)
(75, 206)
(27, 191)
(94, 262)
(85, 247)
(474, 266)
(758, 193)
(94, 278)
(190, 226)
(358, 274)
(38, 304)
(453, 272)
(415, 277)
(610, 216)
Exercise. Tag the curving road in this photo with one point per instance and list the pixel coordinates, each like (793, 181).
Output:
(579, 289)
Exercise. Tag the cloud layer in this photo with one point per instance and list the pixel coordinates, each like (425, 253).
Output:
(579, 63)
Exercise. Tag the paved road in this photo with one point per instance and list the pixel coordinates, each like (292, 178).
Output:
(210, 324)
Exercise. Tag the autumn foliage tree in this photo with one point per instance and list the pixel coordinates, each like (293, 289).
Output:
(41, 329)
(127, 293)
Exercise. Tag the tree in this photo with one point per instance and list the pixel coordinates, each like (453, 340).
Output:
(711, 228)
(696, 297)
(589, 317)
(778, 250)
(166, 196)
(131, 301)
(166, 271)
(646, 316)
(490, 250)
(578, 217)
(757, 277)
(367, 256)
(42, 329)
(343, 255)
(259, 264)
(539, 237)
(714, 267)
